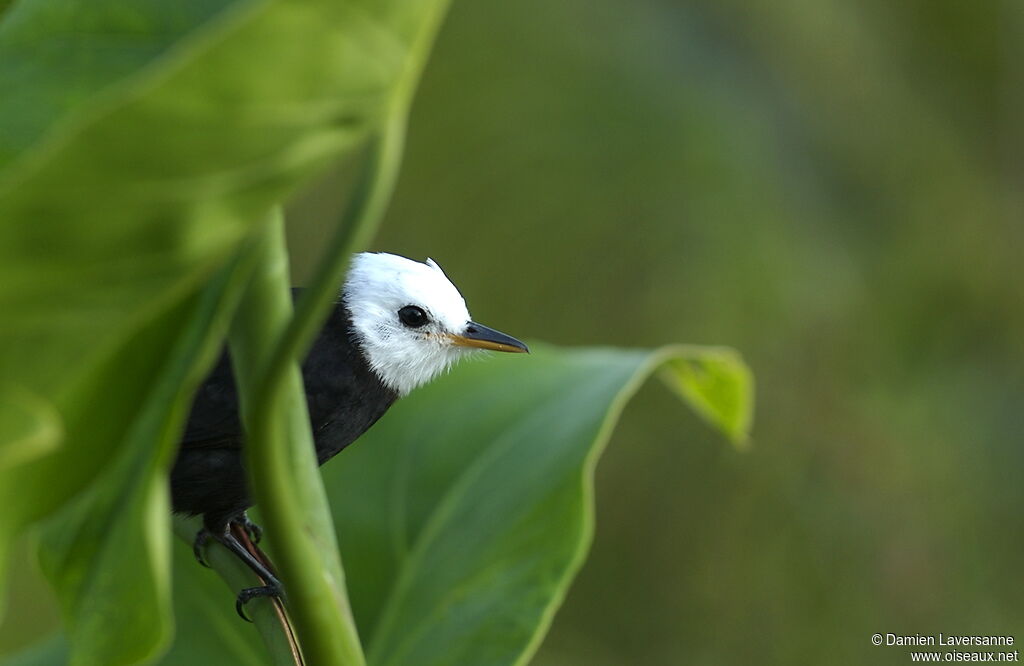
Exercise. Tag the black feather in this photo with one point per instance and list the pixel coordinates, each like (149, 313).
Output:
(345, 398)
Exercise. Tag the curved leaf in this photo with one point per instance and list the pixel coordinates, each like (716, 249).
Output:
(717, 384)
(465, 513)
(107, 553)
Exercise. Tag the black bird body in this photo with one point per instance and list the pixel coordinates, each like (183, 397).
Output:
(344, 395)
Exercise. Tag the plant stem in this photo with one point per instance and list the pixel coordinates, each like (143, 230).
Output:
(280, 448)
(282, 463)
(266, 342)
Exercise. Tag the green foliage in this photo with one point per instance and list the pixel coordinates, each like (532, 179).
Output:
(465, 513)
(107, 550)
(134, 161)
(31, 425)
(138, 166)
(716, 383)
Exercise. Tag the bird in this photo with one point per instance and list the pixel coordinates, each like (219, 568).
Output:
(397, 324)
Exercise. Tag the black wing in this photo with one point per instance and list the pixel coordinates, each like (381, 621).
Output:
(214, 420)
(345, 397)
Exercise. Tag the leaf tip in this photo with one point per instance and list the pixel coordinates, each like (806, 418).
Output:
(715, 383)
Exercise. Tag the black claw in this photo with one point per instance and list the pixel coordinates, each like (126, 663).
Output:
(250, 593)
(202, 537)
(254, 531)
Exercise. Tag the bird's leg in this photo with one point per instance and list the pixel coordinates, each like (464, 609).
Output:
(254, 531)
(272, 587)
(204, 535)
(224, 536)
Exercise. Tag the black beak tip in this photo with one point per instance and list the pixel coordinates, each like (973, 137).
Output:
(498, 340)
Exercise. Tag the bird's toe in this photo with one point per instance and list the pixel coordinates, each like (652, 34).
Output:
(202, 538)
(250, 593)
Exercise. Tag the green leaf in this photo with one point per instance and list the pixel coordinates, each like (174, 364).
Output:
(148, 183)
(59, 55)
(465, 513)
(32, 425)
(145, 142)
(144, 187)
(107, 553)
(207, 629)
(717, 384)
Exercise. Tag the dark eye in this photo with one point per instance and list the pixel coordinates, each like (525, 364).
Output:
(412, 316)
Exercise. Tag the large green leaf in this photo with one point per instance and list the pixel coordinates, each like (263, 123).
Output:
(145, 142)
(146, 184)
(464, 514)
(59, 54)
(107, 553)
(207, 629)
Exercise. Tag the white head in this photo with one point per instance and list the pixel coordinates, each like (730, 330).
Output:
(410, 320)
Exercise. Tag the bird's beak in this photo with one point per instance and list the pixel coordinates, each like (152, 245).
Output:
(481, 337)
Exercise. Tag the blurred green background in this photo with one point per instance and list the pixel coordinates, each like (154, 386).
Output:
(834, 188)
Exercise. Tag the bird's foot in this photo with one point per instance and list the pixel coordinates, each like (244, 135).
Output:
(273, 590)
(254, 531)
(272, 586)
(203, 537)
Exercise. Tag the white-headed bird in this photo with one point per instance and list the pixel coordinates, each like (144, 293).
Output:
(397, 325)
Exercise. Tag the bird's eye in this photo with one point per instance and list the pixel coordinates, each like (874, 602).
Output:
(412, 316)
